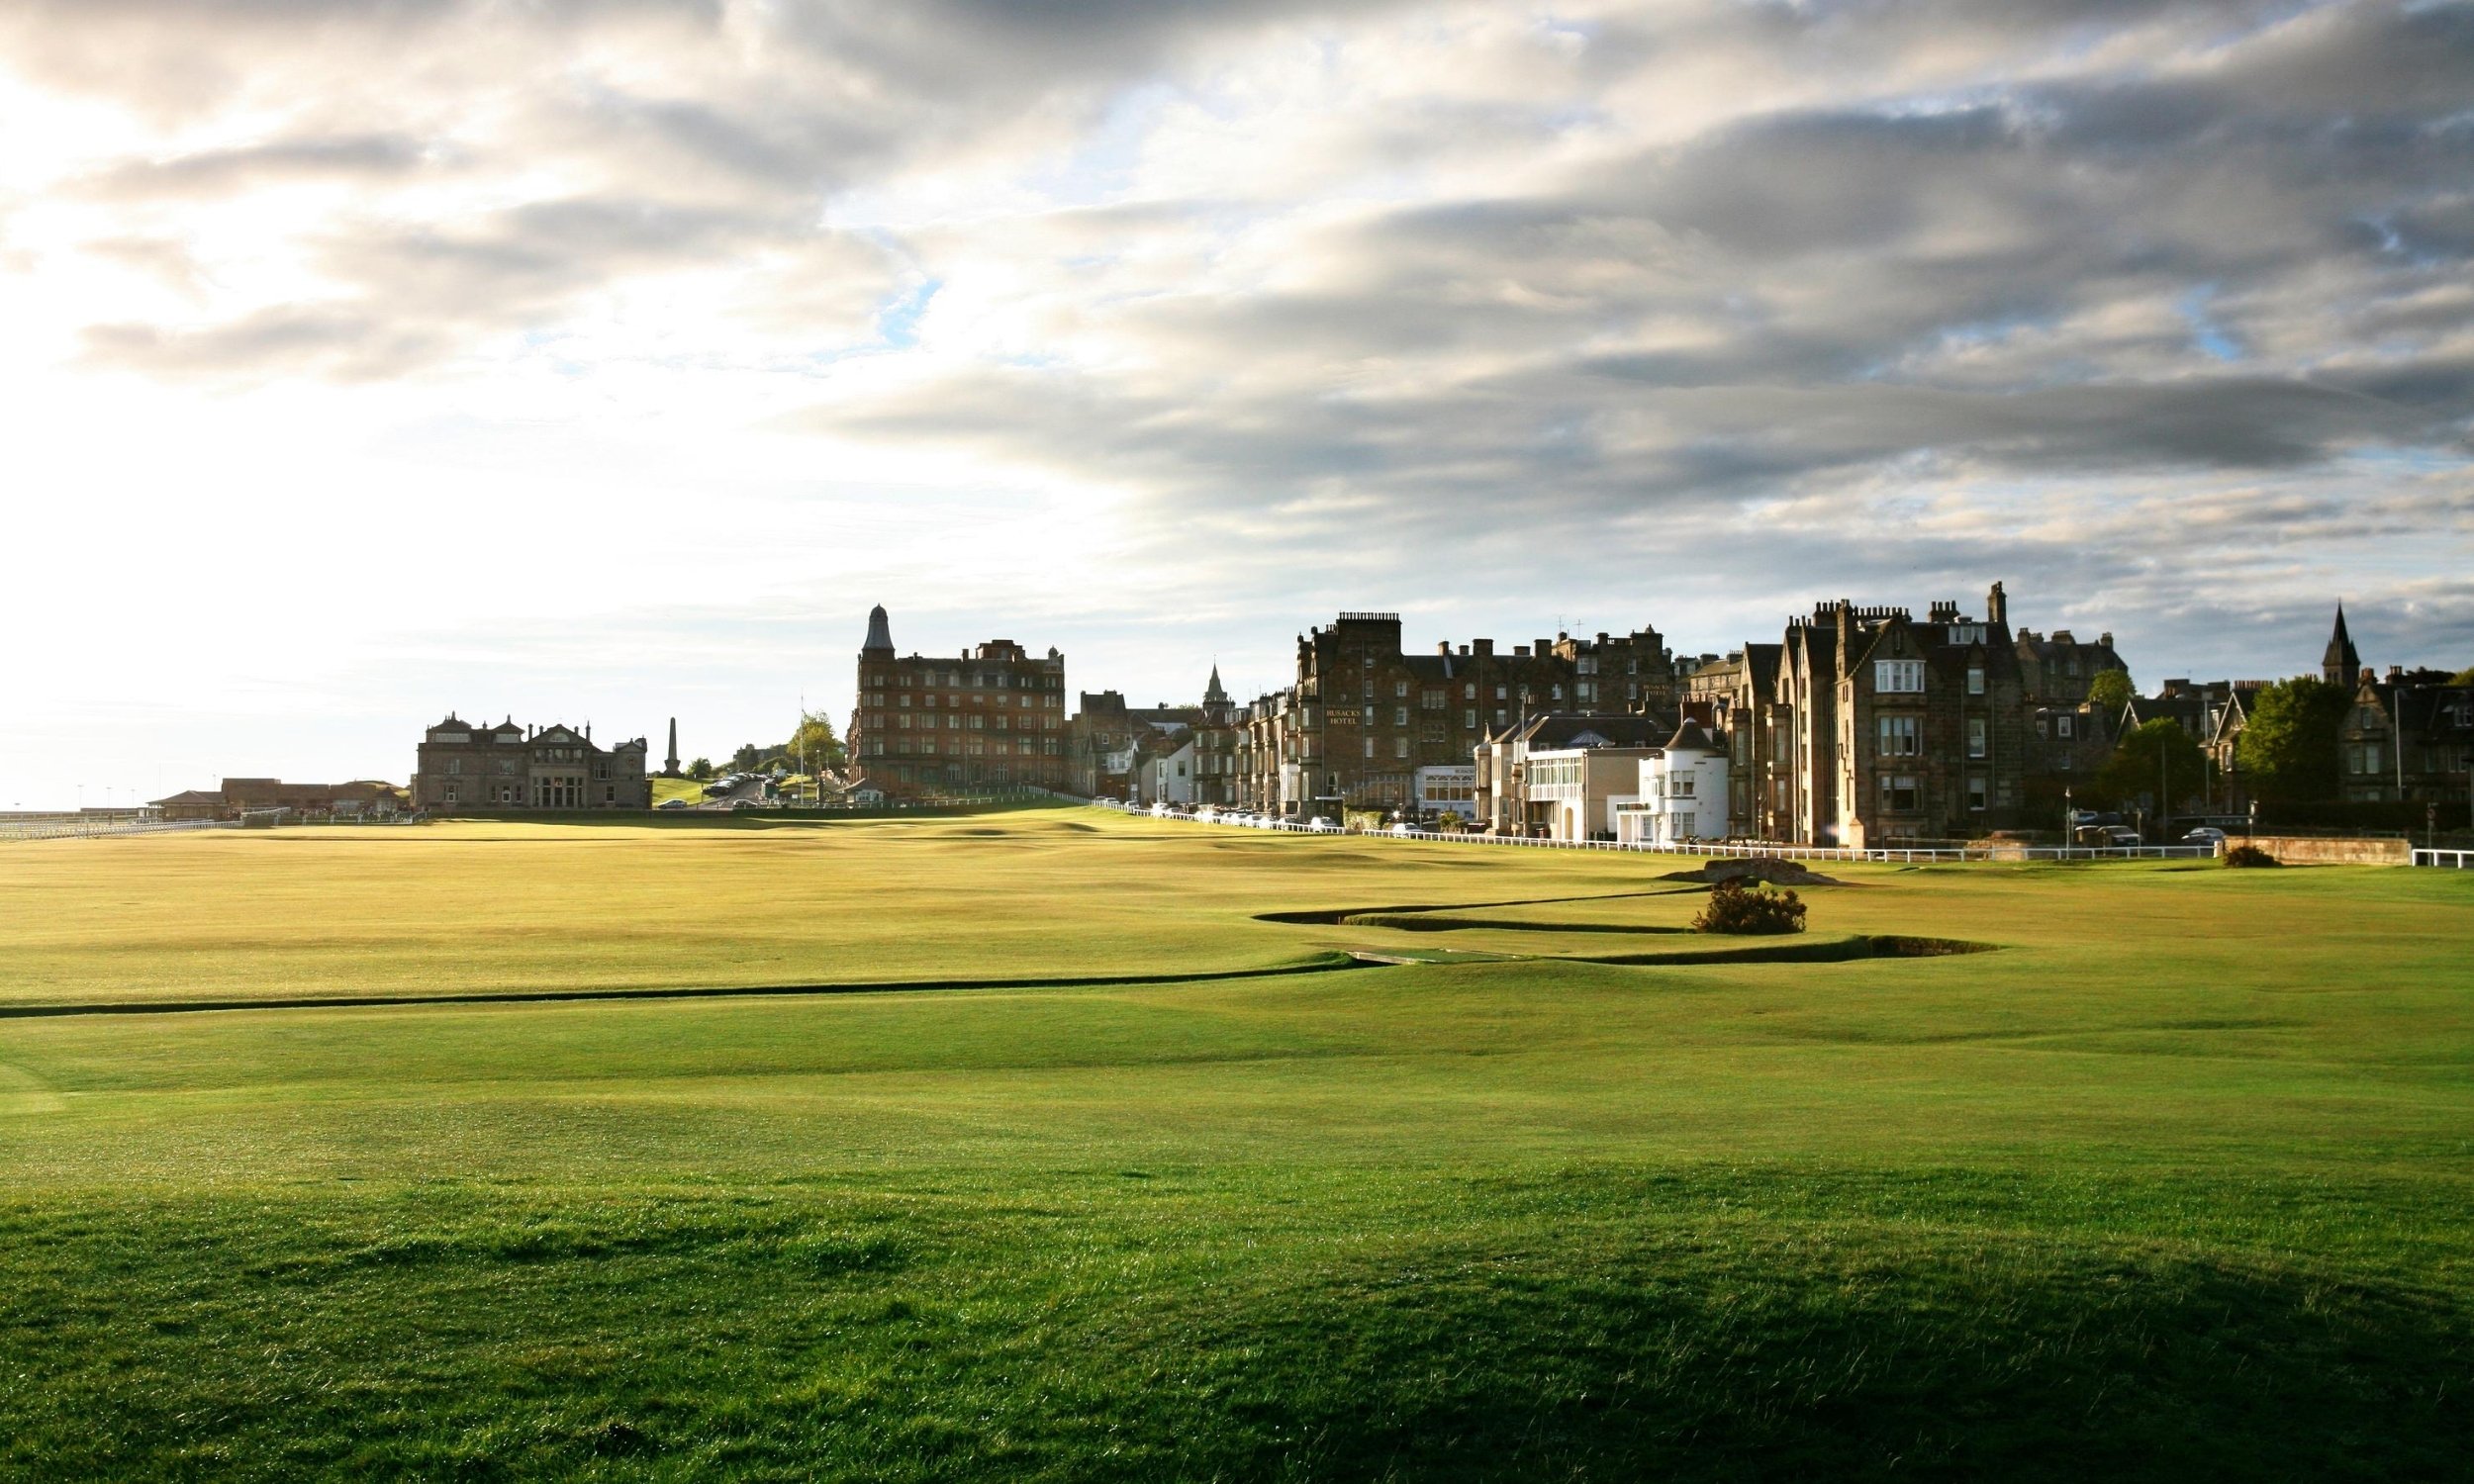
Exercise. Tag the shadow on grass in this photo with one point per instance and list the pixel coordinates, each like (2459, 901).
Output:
(1721, 1357)
(754, 1340)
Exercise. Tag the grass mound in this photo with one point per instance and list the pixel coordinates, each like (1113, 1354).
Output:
(1724, 1326)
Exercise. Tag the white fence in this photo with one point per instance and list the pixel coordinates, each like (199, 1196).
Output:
(1920, 856)
(2460, 860)
(69, 827)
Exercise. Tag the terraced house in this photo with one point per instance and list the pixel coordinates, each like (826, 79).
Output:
(991, 718)
(1364, 721)
(1903, 730)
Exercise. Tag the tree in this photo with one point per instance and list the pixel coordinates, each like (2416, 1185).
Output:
(2157, 755)
(747, 759)
(2109, 692)
(2288, 748)
(701, 768)
(2463, 677)
(814, 743)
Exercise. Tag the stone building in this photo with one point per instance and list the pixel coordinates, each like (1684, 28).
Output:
(2056, 670)
(1365, 720)
(989, 717)
(1895, 729)
(460, 766)
(1218, 736)
(1804, 727)
(1101, 740)
(2409, 739)
(1106, 738)
(1739, 694)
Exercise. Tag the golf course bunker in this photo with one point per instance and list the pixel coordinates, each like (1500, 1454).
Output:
(1715, 949)
(1785, 949)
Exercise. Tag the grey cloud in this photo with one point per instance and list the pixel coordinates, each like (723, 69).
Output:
(415, 297)
(212, 172)
(309, 339)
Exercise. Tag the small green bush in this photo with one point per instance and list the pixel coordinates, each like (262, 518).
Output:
(1738, 907)
(2249, 855)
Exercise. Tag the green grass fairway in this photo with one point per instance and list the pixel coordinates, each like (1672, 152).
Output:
(2176, 1181)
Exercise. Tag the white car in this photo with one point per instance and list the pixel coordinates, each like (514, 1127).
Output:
(1321, 826)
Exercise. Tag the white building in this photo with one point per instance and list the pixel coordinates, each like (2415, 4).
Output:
(1163, 768)
(1577, 791)
(1683, 795)
(1448, 789)
(1504, 801)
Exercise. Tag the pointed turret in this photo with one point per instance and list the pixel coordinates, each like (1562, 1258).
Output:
(1214, 695)
(879, 634)
(2339, 664)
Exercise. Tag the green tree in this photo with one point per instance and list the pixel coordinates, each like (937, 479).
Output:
(814, 742)
(747, 759)
(701, 768)
(2156, 753)
(2288, 748)
(2463, 677)
(2108, 693)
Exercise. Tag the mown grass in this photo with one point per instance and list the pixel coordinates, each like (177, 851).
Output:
(2175, 1184)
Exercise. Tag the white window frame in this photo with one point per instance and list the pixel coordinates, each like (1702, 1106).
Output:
(1898, 677)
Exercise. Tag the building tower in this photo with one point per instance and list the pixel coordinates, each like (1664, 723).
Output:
(879, 634)
(2340, 665)
(1216, 707)
(670, 764)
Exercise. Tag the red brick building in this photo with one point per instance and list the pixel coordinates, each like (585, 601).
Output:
(991, 718)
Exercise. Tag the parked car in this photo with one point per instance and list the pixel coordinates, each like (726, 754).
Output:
(1321, 826)
(2206, 834)
(672, 803)
(2121, 835)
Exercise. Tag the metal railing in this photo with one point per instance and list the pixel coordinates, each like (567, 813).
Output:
(2456, 859)
(1919, 856)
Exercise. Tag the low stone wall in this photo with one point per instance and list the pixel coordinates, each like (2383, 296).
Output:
(2309, 850)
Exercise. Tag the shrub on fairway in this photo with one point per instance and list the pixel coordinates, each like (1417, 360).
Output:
(1735, 907)
(2249, 855)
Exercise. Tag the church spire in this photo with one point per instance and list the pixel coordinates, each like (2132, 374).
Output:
(2341, 664)
(1214, 695)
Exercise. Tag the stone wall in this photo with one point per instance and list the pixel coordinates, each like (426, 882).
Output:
(2308, 850)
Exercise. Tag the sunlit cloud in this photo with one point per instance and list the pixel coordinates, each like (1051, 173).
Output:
(618, 355)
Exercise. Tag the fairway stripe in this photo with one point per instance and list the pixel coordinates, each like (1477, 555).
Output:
(1326, 964)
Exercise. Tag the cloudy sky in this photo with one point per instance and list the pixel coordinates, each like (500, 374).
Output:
(606, 359)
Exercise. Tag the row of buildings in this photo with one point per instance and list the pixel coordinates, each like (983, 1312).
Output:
(1860, 725)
